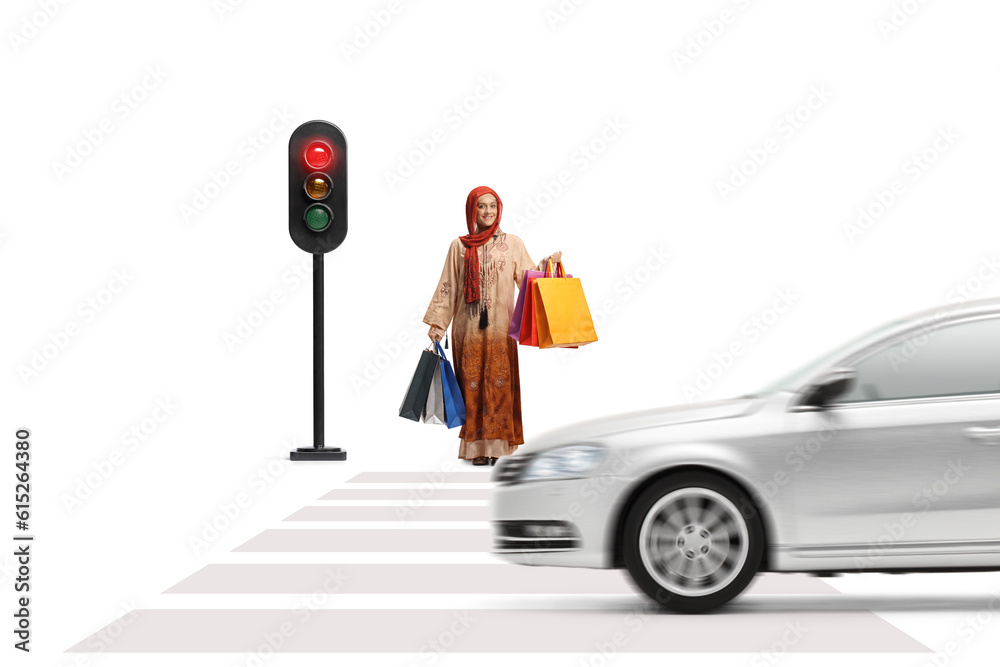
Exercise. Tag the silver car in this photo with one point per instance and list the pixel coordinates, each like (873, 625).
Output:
(882, 456)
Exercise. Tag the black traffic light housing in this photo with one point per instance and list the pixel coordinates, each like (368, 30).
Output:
(317, 186)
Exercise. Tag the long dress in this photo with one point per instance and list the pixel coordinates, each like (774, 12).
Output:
(485, 360)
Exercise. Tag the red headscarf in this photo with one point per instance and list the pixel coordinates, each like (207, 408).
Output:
(473, 240)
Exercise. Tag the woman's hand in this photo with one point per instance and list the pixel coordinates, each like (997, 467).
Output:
(435, 333)
(556, 257)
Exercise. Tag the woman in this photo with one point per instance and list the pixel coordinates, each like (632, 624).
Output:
(477, 289)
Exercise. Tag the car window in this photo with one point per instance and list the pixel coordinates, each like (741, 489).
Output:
(954, 360)
(797, 378)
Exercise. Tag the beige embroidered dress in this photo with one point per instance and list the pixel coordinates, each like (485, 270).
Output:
(485, 360)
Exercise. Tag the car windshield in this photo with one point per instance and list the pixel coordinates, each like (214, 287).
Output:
(799, 377)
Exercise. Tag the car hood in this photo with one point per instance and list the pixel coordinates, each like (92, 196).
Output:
(594, 429)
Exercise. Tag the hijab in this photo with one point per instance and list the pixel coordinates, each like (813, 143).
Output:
(472, 241)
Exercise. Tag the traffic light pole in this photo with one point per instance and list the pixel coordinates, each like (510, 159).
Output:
(319, 412)
(318, 452)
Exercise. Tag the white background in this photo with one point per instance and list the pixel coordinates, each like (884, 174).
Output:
(557, 84)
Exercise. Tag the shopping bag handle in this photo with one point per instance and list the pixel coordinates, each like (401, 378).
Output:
(439, 349)
(559, 268)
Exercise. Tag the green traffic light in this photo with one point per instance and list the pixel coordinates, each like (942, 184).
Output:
(318, 218)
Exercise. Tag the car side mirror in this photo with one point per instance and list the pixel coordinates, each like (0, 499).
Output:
(825, 387)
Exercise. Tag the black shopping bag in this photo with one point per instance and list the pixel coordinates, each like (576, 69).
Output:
(416, 394)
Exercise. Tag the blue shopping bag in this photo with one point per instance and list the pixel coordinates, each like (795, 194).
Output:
(454, 402)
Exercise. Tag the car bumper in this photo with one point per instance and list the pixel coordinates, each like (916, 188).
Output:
(567, 522)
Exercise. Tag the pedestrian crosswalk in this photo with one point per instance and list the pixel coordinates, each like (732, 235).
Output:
(312, 584)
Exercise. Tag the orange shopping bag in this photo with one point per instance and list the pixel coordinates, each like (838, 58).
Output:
(561, 314)
(529, 328)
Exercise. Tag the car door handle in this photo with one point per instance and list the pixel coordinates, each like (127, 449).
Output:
(987, 436)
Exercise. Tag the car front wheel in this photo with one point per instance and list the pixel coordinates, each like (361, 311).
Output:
(693, 541)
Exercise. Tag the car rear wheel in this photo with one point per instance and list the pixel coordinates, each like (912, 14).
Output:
(693, 541)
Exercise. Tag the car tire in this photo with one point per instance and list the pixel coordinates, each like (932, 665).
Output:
(693, 541)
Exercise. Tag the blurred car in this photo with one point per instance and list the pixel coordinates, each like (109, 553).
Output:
(881, 456)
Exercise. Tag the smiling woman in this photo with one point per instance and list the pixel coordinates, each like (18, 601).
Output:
(476, 290)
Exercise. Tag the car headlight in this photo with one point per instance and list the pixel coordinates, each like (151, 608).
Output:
(563, 463)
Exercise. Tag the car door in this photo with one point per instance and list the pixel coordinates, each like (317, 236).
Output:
(908, 460)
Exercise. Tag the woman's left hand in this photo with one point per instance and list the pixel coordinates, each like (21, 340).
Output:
(556, 257)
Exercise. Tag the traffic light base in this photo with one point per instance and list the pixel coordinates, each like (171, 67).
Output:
(318, 454)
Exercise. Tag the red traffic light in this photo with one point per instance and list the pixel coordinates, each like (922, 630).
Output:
(318, 155)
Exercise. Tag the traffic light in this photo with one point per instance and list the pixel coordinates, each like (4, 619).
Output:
(317, 186)
(317, 222)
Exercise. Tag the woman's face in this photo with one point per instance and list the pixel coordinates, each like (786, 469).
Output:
(486, 210)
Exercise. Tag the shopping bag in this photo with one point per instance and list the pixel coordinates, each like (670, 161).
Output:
(515, 319)
(529, 332)
(529, 324)
(528, 335)
(562, 317)
(416, 393)
(454, 402)
(434, 407)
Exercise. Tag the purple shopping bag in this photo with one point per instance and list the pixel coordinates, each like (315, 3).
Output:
(515, 319)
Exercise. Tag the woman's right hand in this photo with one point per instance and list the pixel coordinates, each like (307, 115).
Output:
(435, 333)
